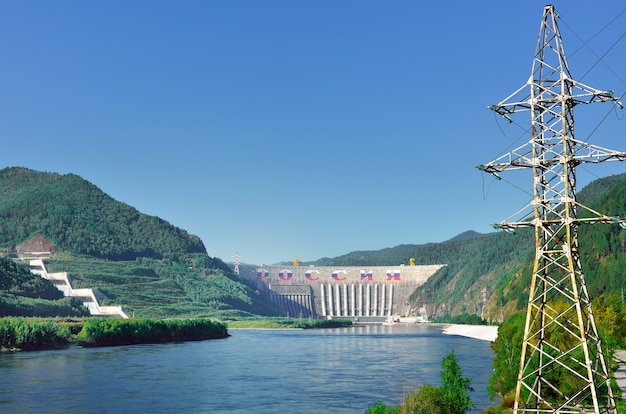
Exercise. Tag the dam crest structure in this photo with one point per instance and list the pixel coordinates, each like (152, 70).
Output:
(358, 293)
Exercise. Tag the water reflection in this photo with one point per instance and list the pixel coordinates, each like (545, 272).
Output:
(314, 371)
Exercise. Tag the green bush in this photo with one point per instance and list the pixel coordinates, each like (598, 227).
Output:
(450, 398)
(427, 400)
(30, 334)
(109, 332)
(381, 408)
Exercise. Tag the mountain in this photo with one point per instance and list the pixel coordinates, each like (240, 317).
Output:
(473, 261)
(601, 247)
(141, 262)
(78, 217)
(154, 269)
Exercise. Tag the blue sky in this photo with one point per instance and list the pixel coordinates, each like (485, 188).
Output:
(294, 129)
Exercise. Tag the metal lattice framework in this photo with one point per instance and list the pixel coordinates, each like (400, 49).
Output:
(560, 335)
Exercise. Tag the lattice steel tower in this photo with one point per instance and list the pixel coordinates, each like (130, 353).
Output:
(560, 335)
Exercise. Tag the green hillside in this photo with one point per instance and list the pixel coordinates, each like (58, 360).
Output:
(472, 261)
(141, 262)
(501, 263)
(24, 294)
(154, 269)
(78, 217)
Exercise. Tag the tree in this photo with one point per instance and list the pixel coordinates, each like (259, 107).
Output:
(455, 386)
(381, 408)
(427, 400)
(507, 349)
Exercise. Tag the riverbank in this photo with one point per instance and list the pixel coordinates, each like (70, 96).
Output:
(287, 323)
(32, 334)
(482, 332)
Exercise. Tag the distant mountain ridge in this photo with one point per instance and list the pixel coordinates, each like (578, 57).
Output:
(498, 266)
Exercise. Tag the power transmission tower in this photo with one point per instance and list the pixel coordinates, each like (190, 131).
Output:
(236, 269)
(562, 366)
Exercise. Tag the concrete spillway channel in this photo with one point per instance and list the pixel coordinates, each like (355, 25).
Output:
(89, 297)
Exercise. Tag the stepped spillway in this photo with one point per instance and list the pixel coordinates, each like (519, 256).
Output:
(89, 297)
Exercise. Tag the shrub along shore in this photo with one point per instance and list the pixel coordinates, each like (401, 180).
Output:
(36, 334)
(29, 334)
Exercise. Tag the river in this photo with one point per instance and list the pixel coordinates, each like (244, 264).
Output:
(343, 370)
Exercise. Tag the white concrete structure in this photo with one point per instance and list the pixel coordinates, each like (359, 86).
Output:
(363, 293)
(88, 296)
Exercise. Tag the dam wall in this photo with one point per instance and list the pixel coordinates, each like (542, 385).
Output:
(370, 293)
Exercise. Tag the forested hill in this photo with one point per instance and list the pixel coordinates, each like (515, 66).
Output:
(428, 253)
(78, 217)
(142, 263)
(500, 264)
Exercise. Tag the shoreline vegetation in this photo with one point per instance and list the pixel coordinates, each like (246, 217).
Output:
(288, 323)
(35, 334)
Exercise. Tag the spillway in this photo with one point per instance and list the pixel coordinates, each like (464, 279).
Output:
(373, 293)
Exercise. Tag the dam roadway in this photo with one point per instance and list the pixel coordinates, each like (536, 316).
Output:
(362, 293)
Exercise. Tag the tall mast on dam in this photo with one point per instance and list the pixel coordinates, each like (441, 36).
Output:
(560, 335)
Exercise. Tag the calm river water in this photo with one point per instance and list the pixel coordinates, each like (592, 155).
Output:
(342, 370)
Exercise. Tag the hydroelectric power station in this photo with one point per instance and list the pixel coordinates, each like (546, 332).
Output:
(360, 293)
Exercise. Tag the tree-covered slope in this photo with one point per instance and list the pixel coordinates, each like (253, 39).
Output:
(23, 293)
(164, 288)
(78, 217)
(601, 248)
(429, 253)
(501, 263)
(140, 262)
(473, 261)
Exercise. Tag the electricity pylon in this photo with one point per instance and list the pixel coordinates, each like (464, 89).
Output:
(562, 367)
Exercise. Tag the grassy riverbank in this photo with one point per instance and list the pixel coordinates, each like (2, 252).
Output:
(284, 323)
(38, 333)
(28, 334)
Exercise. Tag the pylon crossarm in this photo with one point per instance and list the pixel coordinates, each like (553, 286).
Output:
(510, 227)
(560, 336)
(589, 153)
(551, 96)
(597, 217)
(605, 220)
(517, 159)
(589, 95)
(506, 109)
(526, 218)
(522, 157)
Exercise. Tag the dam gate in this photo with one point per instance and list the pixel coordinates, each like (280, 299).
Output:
(364, 294)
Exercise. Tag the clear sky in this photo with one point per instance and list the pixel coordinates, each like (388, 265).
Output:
(294, 129)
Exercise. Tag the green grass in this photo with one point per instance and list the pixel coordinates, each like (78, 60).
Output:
(282, 323)
(139, 289)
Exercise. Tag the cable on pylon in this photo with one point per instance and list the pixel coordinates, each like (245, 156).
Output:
(560, 334)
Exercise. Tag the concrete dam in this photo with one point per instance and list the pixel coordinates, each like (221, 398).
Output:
(365, 294)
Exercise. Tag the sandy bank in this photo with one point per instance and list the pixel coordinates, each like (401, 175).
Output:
(483, 332)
